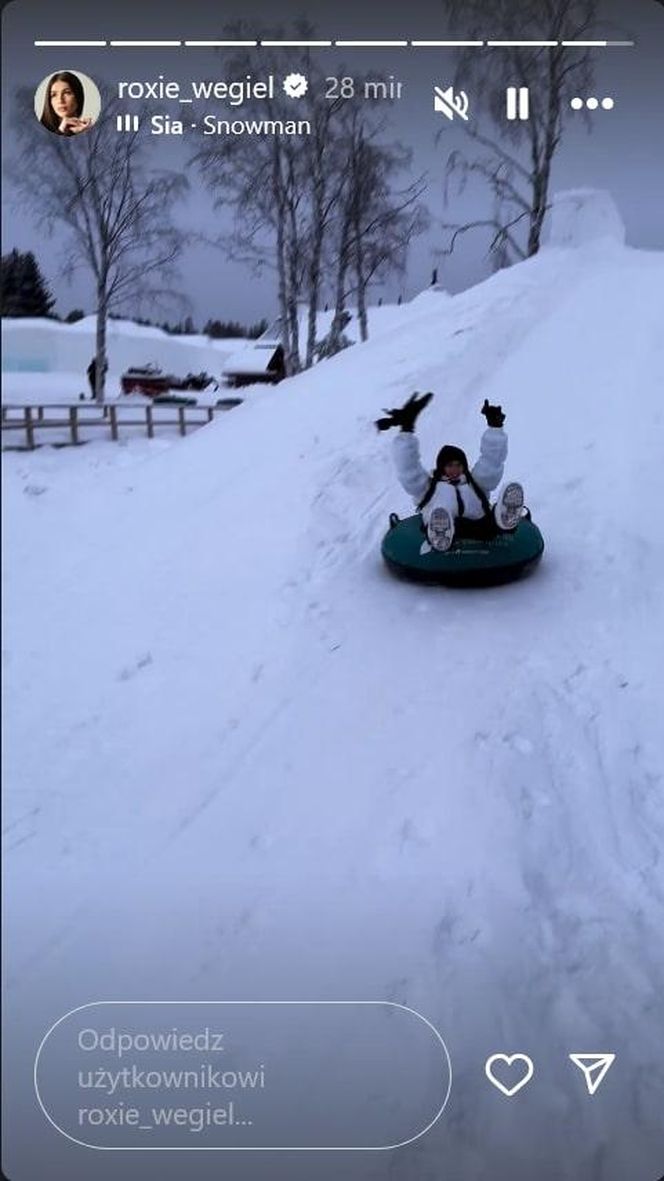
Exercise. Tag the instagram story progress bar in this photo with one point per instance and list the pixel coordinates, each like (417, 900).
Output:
(374, 43)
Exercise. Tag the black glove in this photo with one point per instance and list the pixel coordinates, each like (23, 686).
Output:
(493, 414)
(404, 416)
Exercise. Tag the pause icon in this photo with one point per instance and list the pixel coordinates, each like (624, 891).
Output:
(518, 103)
(127, 122)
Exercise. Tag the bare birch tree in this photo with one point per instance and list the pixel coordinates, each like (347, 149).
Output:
(324, 166)
(116, 212)
(277, 187)
(376, 220)
(516, 163)
(354, 203)
(310, 206)
(260, 181)
(385, 219)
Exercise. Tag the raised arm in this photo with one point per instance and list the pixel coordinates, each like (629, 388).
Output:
(412, 476)
(406, 449)
(488, 471)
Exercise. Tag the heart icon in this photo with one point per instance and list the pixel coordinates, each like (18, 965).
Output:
(525, 1071)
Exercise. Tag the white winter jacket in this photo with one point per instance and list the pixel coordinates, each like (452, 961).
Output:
(487, 473)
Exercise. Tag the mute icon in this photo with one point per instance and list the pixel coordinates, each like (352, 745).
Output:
(449, 103)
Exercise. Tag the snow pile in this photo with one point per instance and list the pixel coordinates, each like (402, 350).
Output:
(582, 216)
(45, 361)
(233, 736)
(47, 346)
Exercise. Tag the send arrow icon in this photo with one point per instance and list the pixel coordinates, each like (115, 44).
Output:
(594, 1067)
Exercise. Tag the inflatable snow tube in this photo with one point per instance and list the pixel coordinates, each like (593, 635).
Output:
(503, 558)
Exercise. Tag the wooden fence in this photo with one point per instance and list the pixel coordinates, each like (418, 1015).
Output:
(31, 420)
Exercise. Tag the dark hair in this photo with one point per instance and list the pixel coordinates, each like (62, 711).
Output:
(49, 118)
(451, 454)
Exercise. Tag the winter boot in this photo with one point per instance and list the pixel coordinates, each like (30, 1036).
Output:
(440, 530)
(508, 508)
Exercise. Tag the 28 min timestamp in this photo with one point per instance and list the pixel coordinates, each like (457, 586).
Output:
(389, 88)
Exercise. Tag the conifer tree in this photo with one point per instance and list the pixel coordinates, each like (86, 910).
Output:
(24, 289)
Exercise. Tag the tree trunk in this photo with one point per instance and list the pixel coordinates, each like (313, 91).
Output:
(100, 344)
(314, 275)
(314, 288)
(281, 266)
(361, 284)
(285, 335)
(542, 170)
(536, 218)
(295, 363)
(536, 224)
(340, 295)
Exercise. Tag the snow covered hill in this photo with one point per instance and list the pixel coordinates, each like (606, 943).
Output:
(244, 762)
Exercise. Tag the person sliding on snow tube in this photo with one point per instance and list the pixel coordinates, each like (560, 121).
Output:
(454, 499)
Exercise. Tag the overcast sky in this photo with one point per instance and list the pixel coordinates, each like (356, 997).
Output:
(622, 153)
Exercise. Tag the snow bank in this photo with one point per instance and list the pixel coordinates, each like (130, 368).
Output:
(582, 216)
(44, 361)
(46, 346)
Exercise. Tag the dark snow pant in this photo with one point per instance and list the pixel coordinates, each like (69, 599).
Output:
(479, 530)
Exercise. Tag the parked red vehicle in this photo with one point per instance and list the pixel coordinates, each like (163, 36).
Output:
(150, 381)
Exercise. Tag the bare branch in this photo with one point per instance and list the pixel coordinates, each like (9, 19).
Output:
(518, 177)
(115, 211)
(480, 223)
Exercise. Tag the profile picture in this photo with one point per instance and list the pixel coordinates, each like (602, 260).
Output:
(67, 103)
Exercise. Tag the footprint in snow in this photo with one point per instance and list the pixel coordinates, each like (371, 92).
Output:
(522, 745)
(143, 661)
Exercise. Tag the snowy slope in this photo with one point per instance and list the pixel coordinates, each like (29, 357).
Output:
(231, 733)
